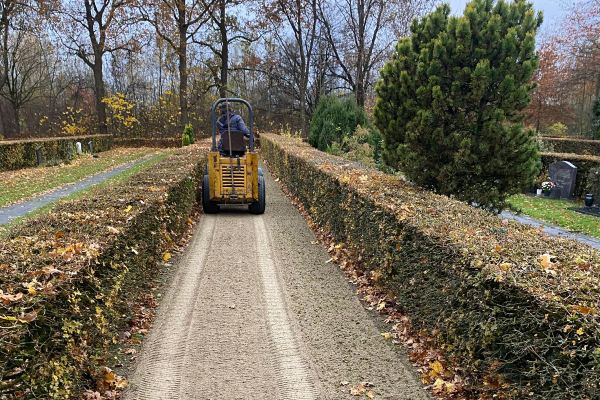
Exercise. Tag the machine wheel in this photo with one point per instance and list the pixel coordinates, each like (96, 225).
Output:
(208, 206)
(258, 207)
(260, 172)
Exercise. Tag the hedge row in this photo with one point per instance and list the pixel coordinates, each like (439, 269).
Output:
(68, 278)
(572, 145)
(159, 142)
(583, 163)
(518, 309)
(17, 154)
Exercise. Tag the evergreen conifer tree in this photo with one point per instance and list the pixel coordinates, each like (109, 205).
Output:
(450, 100)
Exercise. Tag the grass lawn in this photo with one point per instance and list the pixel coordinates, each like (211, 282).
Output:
(25, 183)
(557, 213)
(119, 178)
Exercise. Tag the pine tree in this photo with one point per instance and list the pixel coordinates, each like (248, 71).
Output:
(450, 101)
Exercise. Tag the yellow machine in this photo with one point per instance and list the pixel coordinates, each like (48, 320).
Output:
(232, 175)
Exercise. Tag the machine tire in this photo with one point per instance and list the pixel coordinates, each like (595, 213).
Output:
(208, 206)
(258, 207)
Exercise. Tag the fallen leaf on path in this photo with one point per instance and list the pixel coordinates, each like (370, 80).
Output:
(166, 256)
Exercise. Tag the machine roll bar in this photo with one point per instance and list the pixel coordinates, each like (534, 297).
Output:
(213, 119)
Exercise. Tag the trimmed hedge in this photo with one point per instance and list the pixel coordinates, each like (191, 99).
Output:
(158, 142)
(583, 163)
(573, 145)
(517, 309)
(17, 154)
(68, 277)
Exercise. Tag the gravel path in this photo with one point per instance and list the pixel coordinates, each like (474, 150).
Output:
(553, 230)
(9, 213)
(255, 312)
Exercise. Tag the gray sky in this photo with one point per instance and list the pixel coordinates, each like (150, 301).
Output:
(554, 10)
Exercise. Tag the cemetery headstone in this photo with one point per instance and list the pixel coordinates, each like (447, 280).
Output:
(564, 174)
(78, 147)
(91, 147)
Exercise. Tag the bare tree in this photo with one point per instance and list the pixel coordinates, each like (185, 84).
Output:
(177, 22)
(300, 16)
(91, 29)
(227, 28)
(25, 72)
(361, 34)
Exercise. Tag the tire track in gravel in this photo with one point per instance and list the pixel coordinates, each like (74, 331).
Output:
(160, 366)
(222, 331)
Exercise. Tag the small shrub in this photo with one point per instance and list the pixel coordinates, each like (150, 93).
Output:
(185, 139)
(121, 119)
(189, 131)
(362, 146)
(335, 149)
(557, 130)
(74, 122)
(334, 119)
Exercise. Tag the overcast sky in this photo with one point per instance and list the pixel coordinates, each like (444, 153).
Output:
(554, 10)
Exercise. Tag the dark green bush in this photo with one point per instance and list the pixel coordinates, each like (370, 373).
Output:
(189, 132)
(334, 119)
(450, 100)
(514, 308)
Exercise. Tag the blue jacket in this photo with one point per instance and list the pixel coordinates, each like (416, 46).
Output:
(234, 121)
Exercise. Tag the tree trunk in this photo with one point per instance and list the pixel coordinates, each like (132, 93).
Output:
(183, 79)
(224, 50)
(99, 93)
(17, 118)
(360, 68)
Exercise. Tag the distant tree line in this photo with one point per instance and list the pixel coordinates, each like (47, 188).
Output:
(151, 66)
(568, 79)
